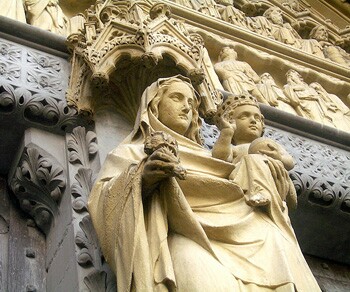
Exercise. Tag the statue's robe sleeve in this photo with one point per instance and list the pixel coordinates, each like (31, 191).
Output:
(133, 230)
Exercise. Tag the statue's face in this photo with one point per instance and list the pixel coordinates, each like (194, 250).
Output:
(321, 34)
(294, 76)
(276, 16)
(175, 107)
(228, 54)
(249, 124)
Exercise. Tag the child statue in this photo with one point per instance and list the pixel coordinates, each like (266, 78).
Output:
(242, 124)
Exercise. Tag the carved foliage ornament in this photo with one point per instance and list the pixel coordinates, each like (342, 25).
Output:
(82, 146)
(38, 109)
(38, 183)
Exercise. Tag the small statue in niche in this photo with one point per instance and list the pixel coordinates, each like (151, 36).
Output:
(47, 15)
(305, 99)
(281, 31)
(237, 76)
(231, 14)
(273, 94)
(241, 126)
(336, 109)
(330, 51)
(13, 9)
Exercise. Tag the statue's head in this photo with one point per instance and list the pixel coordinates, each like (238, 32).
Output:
(266, 76)
(227, 53)
(319, 33)
(274, 14)
(176, 106)
(294, 76)
(244, 110)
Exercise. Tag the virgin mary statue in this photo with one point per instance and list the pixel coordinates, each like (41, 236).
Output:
(161, 232)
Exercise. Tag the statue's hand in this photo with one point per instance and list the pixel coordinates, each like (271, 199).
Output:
(160, 165)
(223, 123)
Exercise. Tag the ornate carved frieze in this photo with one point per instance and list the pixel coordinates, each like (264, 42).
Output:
(126, 41)
(39, 182)
(321, 173)
(32, 89)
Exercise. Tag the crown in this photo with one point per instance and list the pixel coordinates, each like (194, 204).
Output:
(234, 101)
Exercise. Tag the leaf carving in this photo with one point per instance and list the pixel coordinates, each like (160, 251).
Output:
(82, 188)
(39, 183)
(82, 146)
(86, 240)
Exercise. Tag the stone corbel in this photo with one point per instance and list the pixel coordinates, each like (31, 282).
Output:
(38, 180)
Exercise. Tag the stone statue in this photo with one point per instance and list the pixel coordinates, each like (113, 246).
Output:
(305, 99)
(237, 76)
(205, 6)
(260, 25)
(159, 232)
(273, 94)
(47, 15)
(241, 124)
(281, 31)
(336, 109)
(330, 51)
(13, 9)
(312, 45)
(231, 14)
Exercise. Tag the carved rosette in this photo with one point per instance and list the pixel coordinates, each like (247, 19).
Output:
(38, 183)
(126, 42)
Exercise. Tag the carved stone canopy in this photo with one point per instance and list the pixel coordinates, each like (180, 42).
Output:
(124, 46)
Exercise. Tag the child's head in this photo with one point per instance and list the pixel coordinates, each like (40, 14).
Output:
(272, 149)
(244, 111)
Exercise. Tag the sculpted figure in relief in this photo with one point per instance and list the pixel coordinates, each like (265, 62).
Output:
(231, 14)
(205, 6)
(170, 219)
(273, 94)
(330, 51)
(47, 15)
(313, 46)
(260, 25)
(13, 9)
(237, 76)
(281, 31)
(241, 127)
(336, 109)
(306, 100)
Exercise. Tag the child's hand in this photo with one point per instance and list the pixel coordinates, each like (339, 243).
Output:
(223, 123)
